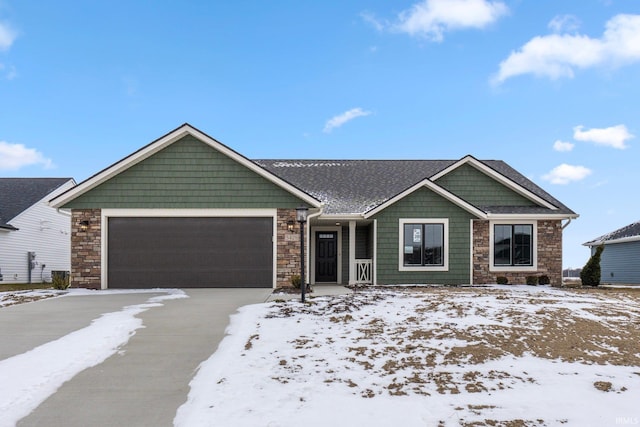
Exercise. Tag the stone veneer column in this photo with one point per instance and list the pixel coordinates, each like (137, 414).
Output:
(548, 239)
(86, 249)
(288, 246)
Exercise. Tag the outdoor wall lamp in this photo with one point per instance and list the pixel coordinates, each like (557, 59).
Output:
(301, 217)
(290, 225)
(84, 225)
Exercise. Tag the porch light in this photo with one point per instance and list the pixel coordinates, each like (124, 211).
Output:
(290, 225)
(301, 214)
(301, 217)
(84, 225)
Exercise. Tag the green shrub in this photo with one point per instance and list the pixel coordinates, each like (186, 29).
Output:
(295, 280)
(532, 280)
(501, 280)
(544, 280)
(590, 274)
(60, 281)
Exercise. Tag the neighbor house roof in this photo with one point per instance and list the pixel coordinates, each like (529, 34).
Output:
(627, 233)
(358, 186)
(19, 194)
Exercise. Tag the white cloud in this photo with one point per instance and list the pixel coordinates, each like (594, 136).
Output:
(563, 146)
(339, 120)
(7, 36)
(564, 174)
(564, 24)
(432, 18)
(16, 156)
(375, 22)
(558, 55)
(9, 72)
(614, 136)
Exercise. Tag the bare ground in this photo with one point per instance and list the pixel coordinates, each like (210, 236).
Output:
(474, 325)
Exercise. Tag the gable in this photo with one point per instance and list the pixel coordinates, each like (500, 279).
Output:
(479, 189)
(188, 173)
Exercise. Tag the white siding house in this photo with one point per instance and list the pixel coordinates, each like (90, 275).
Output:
(29, 224)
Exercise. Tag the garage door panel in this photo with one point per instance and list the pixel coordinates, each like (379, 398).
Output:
(190, 252)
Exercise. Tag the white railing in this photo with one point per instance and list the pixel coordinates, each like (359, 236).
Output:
(363, 271)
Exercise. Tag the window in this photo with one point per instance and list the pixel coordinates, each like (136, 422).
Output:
(423, 245)
(512, 245)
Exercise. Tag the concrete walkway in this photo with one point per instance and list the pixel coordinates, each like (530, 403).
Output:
(149, 379)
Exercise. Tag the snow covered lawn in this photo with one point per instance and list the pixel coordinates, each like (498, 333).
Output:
(498, 356)
(20, 297)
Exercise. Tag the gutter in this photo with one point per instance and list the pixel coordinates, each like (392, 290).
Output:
(308, 242)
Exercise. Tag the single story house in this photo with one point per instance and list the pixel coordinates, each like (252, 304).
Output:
(188, 211)
(620, 260)
(35, 238)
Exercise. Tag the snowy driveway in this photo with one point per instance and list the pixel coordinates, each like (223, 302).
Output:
(109, 358)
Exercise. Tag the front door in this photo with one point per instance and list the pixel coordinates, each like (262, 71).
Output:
(326, 256)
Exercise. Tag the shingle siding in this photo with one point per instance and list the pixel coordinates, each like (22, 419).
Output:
(479, 189)
(620, 264)
(186, 174)
(423, 203)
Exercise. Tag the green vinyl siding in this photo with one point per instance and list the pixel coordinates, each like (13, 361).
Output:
(423, 203)
(479, 189)
(187, 174)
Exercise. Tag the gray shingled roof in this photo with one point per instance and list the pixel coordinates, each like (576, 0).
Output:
(631, 230)
(18, 194)
(357, 186)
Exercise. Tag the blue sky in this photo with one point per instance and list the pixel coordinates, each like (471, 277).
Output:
(550, 87)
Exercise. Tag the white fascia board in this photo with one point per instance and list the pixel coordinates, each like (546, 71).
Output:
(164, 142)
(612, 242)
(340, 217)
(497, 176)
(436, 189)
(517, 217)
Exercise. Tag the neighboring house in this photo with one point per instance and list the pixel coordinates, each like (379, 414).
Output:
(620, 260)
(188, 211)
(29, 226)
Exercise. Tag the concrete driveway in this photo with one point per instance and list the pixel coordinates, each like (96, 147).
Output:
(148, 380)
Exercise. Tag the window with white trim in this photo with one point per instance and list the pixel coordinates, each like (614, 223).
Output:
(512, 245)
(423, 244)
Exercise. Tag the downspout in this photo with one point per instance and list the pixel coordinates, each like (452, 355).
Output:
(567, 224)
(308, 242)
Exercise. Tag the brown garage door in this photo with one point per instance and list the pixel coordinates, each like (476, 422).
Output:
(190, 252)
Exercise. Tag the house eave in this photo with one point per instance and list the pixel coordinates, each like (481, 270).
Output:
(436, 189)
(491, 216)
(472, 161)
(160, 144)
(612, 241)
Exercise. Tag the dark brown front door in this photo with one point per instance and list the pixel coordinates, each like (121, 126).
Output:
(326, 256)
(190, 252)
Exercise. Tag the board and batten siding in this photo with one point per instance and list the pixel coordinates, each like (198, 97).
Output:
(423, 203)
(43, 230)
(187, 174)
(477, 188)
(619, 263)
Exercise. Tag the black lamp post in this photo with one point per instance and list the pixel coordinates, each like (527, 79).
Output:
(301, 217)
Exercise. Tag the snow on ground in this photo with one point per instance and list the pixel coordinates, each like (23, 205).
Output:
(507, 356)
(30, 378)
(20, 297)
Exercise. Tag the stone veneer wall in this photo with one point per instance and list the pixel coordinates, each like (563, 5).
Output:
(288, 246)
(549, 241)
(86, 249)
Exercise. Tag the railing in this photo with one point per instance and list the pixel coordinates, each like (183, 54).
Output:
(363, 271)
